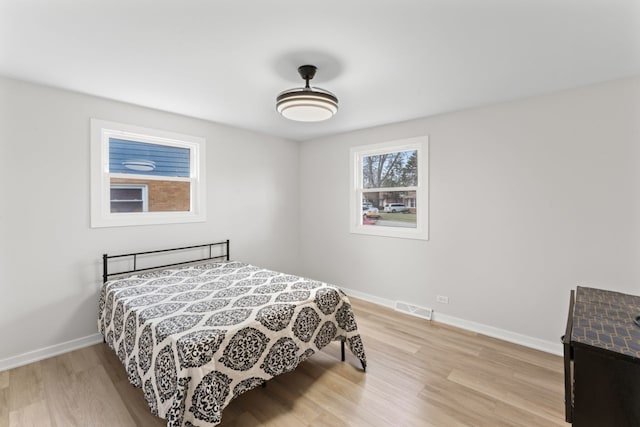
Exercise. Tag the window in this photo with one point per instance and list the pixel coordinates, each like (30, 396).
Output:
(129, 198)
(389, 194)
(145, 176)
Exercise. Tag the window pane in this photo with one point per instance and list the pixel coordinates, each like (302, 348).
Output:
(120, 207)
(397, 169)
(389, 208)
(161, 195)
(126, 197)
(126, 194)
(142, 158)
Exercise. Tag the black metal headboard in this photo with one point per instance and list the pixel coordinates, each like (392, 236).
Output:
(106, 258)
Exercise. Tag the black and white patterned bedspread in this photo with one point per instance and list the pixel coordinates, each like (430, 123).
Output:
(194, 338)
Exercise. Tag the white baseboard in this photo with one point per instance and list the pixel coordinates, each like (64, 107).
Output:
(45, 353)
(368, 297)
(503, 334)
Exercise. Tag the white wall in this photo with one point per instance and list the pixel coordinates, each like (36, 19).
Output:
(527, 200)
(50, 259)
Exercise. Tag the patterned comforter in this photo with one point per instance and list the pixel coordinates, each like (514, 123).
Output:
(194, 338)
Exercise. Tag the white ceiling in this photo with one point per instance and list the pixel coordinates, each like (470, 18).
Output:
(386, 60)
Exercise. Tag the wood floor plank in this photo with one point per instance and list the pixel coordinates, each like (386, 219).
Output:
(535, 357)
(83, 359)
(4, 407)
(246, 419)
(35, 414)
(451, 397)
(328, 420)
(270, 411)
(25, 386)
(136, 405)
(513, 396)
(515, 417)
(281, 390)
(4, 379)
(64, 408)
(419, 373)
(101, 401)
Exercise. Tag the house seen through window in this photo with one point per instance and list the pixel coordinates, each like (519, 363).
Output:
(145, 176)
(389, 185)
(155, 175)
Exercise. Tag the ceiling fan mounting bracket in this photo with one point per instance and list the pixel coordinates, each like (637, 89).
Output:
(307, 72)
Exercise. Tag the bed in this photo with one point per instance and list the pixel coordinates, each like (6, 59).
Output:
(196, 335)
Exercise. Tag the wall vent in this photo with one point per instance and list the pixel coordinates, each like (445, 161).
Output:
(414, 310)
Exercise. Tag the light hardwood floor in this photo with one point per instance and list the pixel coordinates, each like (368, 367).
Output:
(419, 373)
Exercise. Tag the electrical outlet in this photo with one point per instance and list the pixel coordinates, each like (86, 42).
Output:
(442, 299)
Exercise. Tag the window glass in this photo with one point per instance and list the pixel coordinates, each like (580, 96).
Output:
(396, 169)
(141, 158)
(389, 208)
(129, 198)
(137, 160)
(389, 196)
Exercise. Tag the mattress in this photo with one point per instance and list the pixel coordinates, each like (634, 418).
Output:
(194, 338)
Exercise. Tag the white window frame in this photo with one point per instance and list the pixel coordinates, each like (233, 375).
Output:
(421, 145)
(101, 216)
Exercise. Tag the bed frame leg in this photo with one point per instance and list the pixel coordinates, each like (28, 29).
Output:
(342, 348)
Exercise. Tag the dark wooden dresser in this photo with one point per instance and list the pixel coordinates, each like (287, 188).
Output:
(602, 359)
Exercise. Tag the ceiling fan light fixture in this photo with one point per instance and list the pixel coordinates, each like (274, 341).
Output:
(307, 104)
